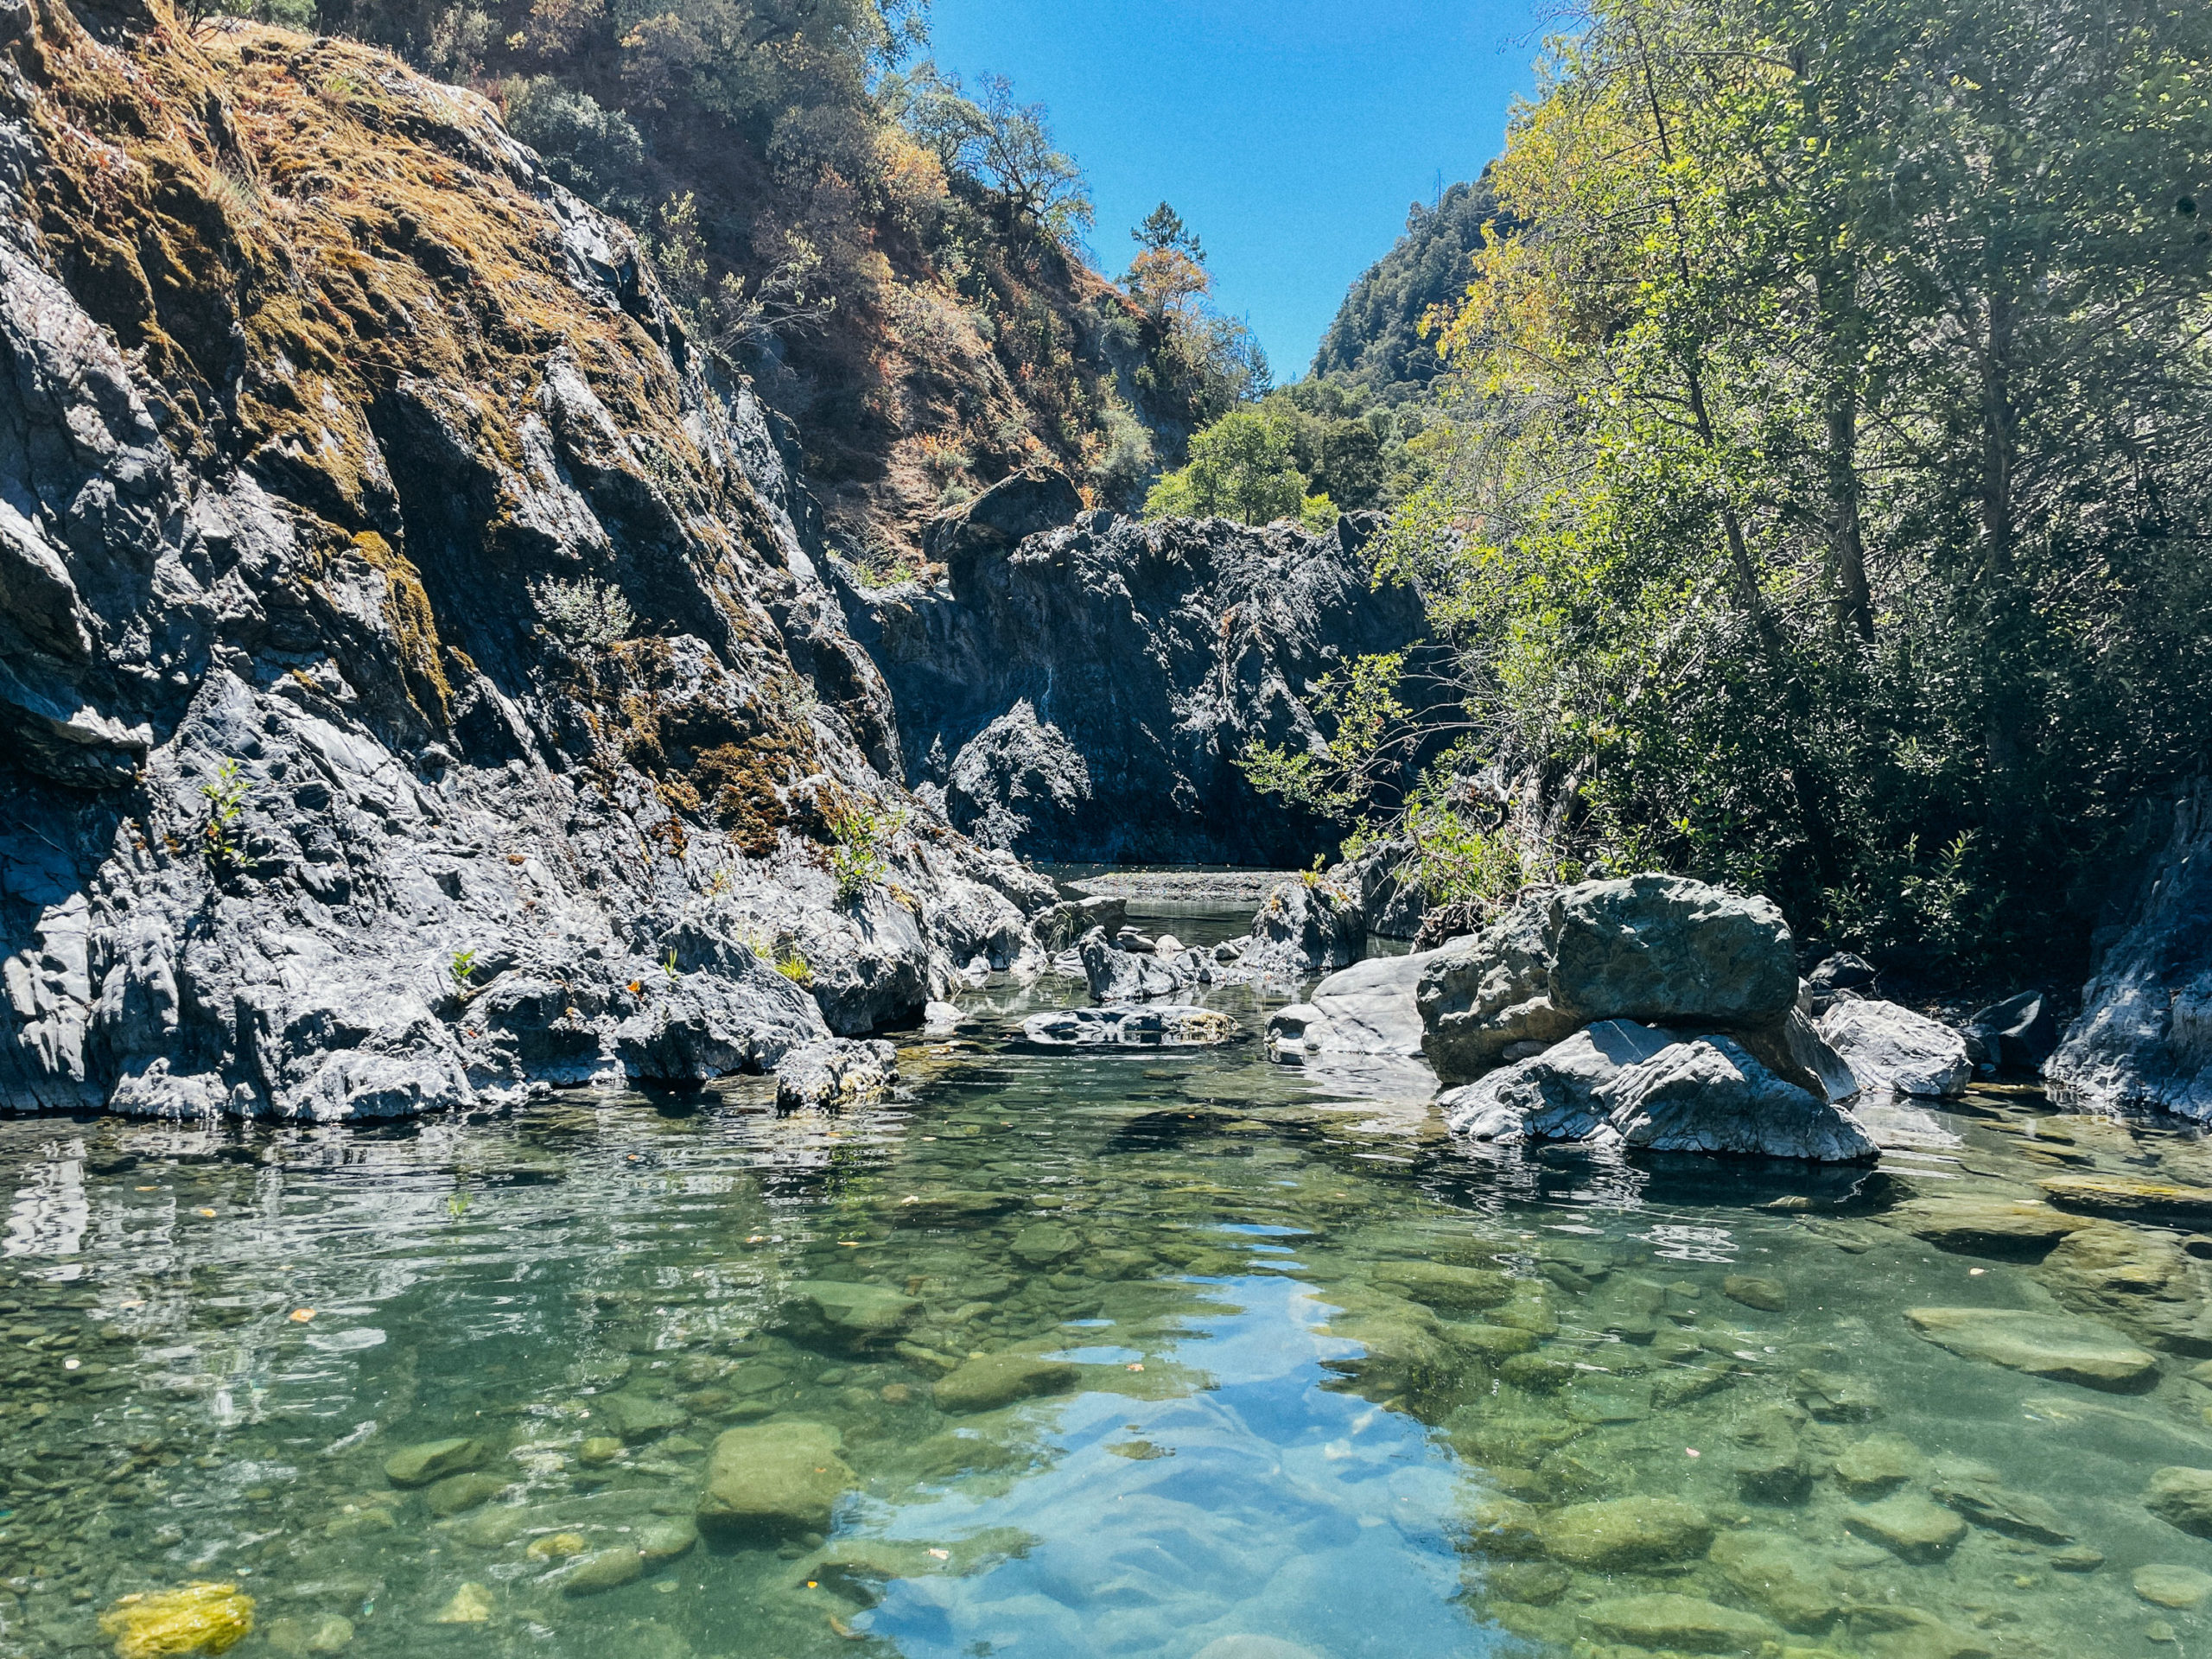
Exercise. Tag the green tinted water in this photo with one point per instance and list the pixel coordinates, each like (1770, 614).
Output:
(1303, 1371)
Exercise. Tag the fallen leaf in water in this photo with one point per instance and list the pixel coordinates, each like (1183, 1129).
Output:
(844, 1629)
(302, 1315)
(210, 1214)
(942, 1555)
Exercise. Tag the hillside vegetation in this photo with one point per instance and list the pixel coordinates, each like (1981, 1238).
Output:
(1822, 481)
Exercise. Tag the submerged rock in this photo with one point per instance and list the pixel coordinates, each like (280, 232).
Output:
(1879, 1464)
(2018, 1515)
(2182, 1497)
(2181, 1588)
(1626, 1533)
(470, 1604)
(1681, 1624)
(2143, 1281)
(2042, 1344)
(773, 1480)
(852, 1316)
(600, 1570)
(996, 1380)
(1909, 1527)
(458, 1493)
(1785, 1576)
(2120, 1195)
(200, 1618)
(418, 1465)
(1978, 1224)
(1891, 1049)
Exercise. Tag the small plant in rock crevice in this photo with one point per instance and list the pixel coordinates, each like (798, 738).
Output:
(459, 969)
(585, 612)
(226, 798)
(796, 968)
(857, 859)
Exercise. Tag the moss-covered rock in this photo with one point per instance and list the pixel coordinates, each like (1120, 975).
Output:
(774, 1479)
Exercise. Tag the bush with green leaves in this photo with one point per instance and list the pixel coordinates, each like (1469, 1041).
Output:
(859, 835)
(586, 614)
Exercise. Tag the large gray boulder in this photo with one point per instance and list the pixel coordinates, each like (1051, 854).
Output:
(1366, 1009)
(1305, 927)
(2143, 1041)
(1562, 1094)
(1892, 1050)
(1710, 1096)
(1658, 949)
(1393, 905)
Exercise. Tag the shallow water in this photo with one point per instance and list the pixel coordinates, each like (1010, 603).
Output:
(1281, 1420)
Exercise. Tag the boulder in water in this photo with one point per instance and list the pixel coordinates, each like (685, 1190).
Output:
(1173, 1024)
(832, 1071)
(1710, 1096)
(1892, 1050)
(2042, 1345)
(1305, 927)
(1368, 1009)
(774, 1480)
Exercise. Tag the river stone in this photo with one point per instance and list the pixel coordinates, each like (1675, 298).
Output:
(2115, 1195)
(1712, 1096)
(1481, 994)
(1490, 1342)
(639, 1417)
(1766, 1294)
(1783, 1575)
(1505, 1527)
(599, 1450)
(2076, 1558)
(1980, 1224)
(1440, 1285)
(1366, 1009)
(1562, 1094)
(1879, 1464)
(1304, 927)
(1835, 1397)
(2018, 1515)
(457, 1493)
(1909, 1527)
(774, 1479)
(2143, 1281)
(663, 1541)
(1666, 950)
(603, 1569)
(470, 1604)
(2182, 1497)
(2042, 1345)
(1891, 1049)
(1175, 1025)
(854, 1316)
(994, 1380)
(418, 1465)
(1045, 1243)
(1681, 1624)
(1626, 1532)
(2179, 1587)
(1539, 1372)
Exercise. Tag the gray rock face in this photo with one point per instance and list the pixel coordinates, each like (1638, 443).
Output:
(1305, 928)
(1393, 907)
(1655, 949)
(313, 817)
(1891, 1049)
(834, 1072)
(1620, 1084)
(1366, 1009)
(2143, 1041)
(1081, 686)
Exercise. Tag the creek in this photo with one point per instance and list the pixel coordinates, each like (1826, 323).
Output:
(1124, 1353)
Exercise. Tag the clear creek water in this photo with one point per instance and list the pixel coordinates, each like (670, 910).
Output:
(1299, 1368)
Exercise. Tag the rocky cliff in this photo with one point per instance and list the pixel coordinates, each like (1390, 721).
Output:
(417, 682)
(1080, 686)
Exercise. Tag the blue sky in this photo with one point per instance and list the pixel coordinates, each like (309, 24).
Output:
(1292, 134)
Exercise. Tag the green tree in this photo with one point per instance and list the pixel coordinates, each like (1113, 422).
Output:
(1164, 231)
(1240, 469)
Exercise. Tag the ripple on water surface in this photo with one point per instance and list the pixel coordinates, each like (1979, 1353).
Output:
(1096, 1355)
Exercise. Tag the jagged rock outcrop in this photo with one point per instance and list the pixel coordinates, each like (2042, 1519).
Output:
(2143, 1041)
(322, 804)
(1080, 686)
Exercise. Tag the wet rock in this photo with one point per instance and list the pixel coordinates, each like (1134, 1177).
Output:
(640, 1417)
(835, 1070)
(1539, 1373)
(470, 1604)
(1681, 1624)
(1490, 1342)
(1368, 1009)
(557, 1547)
(1909, 1527)
(1879, 1464)
(2139, 1042)
(2143, 1281)
(1833, 1397)
(457, 1493)
(2017, 1515)
(2016, 1034)
(1507, 1528)
(1044, 1243)
(1784, 1577)
(1440, 1285)
(2076, 1558)
(2182, 1588)
(292, 1635)
(493, 1528)
(1305, 927)
(2182, 1497)
(852, 1316)
(1891, 1049)
(600, 1450)
(1562, 1094)
(1626, 1533)
(996, 1380)
(418, 1465)
(1768, 1295)
(2115, 1195)
(600, 1570)
(663, 1541)
(1979, 1225)
(1166, 1025)
(1767, 1460)
(198, 1617)
(2042, 1344)
(774, 1479)
(1710, 1096)
(1118, 977)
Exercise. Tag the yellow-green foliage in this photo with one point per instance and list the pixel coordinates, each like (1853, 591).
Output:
(198, 1618)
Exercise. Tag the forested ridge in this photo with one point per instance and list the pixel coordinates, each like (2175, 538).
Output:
(1817, 492)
